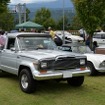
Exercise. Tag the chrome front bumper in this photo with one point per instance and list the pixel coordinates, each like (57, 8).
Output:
(61, 74)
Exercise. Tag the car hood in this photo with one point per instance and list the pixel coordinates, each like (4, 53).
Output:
(44, 54)
(74, 37)
(95, 57)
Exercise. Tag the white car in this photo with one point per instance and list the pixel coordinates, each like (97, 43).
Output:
(99, 37)
(95, 62)
(68, 36)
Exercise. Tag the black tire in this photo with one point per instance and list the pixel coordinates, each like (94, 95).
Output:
(92, 69)
(76, 81)
(26, 81)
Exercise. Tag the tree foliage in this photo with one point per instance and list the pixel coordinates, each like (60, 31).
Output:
(60, 23)
(49, 23)
(3, 5)
(42, 16)
(6, 21)
(76, 23)
(90, 13)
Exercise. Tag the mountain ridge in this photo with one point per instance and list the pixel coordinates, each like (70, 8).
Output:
(53, 4)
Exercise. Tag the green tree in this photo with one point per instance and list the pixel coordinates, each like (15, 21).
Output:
(43, 17)
(3, 5)
(76, 23)
(49, 22)
(60, 23)
(6, 21)
(91, 14)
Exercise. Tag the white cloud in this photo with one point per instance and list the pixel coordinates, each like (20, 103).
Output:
(28, 1)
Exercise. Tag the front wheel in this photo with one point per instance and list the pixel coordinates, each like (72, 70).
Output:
(76, 81)
(92, 69)
(26, 81)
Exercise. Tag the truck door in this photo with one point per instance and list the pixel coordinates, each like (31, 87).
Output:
(9, 58)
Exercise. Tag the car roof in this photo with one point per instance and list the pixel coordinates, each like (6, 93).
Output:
(13, 35)
(101, 32)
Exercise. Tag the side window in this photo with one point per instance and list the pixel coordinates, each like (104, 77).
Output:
(97, 36)
(103, 36)
(11, 43)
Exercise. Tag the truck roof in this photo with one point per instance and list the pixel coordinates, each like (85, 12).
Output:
(13, 35)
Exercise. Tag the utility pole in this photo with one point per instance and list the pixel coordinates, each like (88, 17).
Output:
(21, 9)
(24, 5)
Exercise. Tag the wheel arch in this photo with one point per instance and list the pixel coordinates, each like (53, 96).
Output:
(89, 62)
(22, 67)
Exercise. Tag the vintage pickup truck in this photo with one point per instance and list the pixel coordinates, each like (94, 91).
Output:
(34, 57)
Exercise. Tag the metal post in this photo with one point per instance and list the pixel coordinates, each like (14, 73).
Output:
(24, 5)
(63, 23)
(19, 9)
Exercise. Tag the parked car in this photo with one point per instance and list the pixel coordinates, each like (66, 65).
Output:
(95, 62)
(35, 57)
(99, 37)
(100, 49)
(69, 38)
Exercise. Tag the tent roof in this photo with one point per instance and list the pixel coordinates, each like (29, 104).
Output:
(29, 24)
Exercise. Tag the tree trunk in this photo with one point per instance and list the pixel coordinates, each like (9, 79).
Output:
(91, 41)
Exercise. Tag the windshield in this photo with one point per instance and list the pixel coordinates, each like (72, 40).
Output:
(81, 49)
(35, 43)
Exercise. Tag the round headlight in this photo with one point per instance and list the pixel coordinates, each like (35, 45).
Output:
(82, 61)
(102, 64)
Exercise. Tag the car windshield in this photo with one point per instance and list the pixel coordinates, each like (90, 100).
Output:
(81, 49)
(76, 49)
(35, 43)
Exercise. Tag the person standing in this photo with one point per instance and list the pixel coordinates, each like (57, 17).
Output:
(95, 45)
(51, 32)
(83, 34)
(2, 39)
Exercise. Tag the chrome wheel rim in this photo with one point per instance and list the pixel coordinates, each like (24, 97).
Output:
(24, 81)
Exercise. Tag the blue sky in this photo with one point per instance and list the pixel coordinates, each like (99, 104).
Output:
(28, 1)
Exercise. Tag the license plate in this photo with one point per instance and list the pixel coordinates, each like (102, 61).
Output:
(67, 74)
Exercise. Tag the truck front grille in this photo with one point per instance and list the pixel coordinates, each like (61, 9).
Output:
(63, 63)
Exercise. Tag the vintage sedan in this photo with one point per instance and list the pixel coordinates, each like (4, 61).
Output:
(68, 36)
(95, 62)
(99, 37)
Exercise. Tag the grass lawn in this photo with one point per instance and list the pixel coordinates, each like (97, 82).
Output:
(92, 92)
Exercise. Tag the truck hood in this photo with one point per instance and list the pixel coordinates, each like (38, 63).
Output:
(44, 54)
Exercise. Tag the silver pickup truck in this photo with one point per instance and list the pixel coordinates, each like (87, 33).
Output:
(34, 57)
